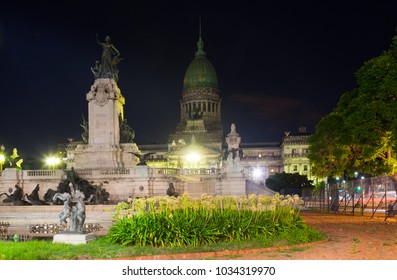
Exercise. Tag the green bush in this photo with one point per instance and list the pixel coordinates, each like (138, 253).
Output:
(186, 221)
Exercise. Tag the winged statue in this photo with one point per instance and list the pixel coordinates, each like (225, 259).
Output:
(142, 157)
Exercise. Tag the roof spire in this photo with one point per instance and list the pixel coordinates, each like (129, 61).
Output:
(200, 44)
(200, 26)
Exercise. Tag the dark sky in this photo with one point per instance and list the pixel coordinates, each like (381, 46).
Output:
(280, 64)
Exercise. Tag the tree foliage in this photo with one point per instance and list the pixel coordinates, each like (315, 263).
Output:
(360, 134)
(288, 183)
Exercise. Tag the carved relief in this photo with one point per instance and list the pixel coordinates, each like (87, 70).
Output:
(100, 92)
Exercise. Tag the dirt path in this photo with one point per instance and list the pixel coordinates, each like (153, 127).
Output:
(349, 238)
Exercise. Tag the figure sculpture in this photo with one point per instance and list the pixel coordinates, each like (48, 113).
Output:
(92, 194)
(65, 197)
(127, 134)
(15, 160)
(171, 190)
(73, 208)
(233, 140)
(109, 61)
(84, 135)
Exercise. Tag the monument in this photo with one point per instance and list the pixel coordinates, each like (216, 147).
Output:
(106, 126)
(233, 176)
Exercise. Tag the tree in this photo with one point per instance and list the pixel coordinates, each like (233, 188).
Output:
(360, 134)
(288, 183)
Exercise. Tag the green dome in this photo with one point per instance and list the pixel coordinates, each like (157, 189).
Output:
(200, 72)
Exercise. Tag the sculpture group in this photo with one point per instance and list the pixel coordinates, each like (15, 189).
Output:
(73, 209)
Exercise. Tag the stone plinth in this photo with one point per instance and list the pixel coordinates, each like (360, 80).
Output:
(11, 174)
(233, 181)
(73, 237)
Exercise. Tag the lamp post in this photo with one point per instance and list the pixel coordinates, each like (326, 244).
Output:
(362, 196)
(178, 146)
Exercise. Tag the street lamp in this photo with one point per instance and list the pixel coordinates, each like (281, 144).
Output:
(178, 146)
(52, 161)
(257, 173)
(362, 196)
(193, 158)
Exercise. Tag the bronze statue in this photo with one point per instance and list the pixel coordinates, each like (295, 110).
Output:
(66, 212)
(34, 198)
(171, 190)
(142, 157)
(127, 134)
(16, 197)
(73, 208)
(109, 61)
(84, 135)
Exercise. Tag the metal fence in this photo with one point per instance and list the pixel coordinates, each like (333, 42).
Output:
(363, 196)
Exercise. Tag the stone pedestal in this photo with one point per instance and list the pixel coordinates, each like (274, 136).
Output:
(73, 237)
(105, 156)
(234, 184)
(234, 181)
(11, 174)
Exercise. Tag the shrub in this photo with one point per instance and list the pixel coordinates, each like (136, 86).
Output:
(187, 221)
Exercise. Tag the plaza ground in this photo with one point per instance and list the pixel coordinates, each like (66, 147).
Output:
(349, 238)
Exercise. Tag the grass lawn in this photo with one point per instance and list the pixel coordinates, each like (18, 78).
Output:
(101, 249)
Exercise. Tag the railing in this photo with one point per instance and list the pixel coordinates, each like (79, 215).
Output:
(186, 172)
(84, 172)
(34, 173)
(115, 172)
(42, 174)
(368, 196)
(296, 155)
(166, 171)
(121, 172)
(56, 228)
(103, 172)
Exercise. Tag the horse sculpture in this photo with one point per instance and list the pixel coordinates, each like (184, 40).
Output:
(16, 197)
(34, 198)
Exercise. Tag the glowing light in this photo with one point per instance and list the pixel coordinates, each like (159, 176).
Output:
(193, 157)
(257, 173)
(53, 161)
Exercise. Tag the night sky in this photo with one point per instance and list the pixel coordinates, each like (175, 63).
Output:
(280, 64)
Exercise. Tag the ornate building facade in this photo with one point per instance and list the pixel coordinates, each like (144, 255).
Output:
(199, 139)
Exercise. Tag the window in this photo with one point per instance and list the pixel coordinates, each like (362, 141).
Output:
(295, 168)
(305, 167)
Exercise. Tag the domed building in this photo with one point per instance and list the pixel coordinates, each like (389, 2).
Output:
(201, 102)
(200, 108)
(199, 138)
